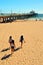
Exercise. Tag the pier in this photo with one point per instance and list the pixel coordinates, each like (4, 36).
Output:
(10, 18)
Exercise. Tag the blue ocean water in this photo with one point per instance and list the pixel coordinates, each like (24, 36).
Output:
(38, 16)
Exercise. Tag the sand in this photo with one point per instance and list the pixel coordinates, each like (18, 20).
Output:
(32, 50)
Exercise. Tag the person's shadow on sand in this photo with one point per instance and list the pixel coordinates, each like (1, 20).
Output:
(5, 49)
(5, 57)
(17, 49)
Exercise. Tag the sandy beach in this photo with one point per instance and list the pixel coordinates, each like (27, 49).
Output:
(32, 51)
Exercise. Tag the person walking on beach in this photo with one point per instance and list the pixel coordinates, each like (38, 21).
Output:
(12, 44)
(21, 40)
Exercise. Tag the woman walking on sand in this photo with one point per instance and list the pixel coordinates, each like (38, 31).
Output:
(21, 40)
(12, 44)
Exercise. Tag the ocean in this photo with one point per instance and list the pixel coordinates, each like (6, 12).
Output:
(38, 17)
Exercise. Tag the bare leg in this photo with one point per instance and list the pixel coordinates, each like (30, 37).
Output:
(12, 50)
(21, 44)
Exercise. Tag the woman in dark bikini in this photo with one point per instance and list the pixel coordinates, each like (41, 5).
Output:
(12, 44)
(21, 40)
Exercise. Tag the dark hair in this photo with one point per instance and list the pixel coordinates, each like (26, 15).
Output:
(10, 37)
(21, 36)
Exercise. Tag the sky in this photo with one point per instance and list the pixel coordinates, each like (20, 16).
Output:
(21, 6)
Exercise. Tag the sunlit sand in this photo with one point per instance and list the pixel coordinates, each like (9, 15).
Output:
(32, 50)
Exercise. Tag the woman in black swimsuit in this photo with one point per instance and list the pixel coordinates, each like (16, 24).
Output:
(21, 40)
(12, 44)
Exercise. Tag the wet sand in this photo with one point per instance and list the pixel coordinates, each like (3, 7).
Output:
(32, 51)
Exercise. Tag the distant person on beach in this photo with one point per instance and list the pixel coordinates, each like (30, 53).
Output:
(12, 44)
(21, 40)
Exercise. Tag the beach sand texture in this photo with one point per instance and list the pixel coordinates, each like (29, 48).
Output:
(32, 50)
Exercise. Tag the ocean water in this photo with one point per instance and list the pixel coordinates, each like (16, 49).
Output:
(38, 17)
